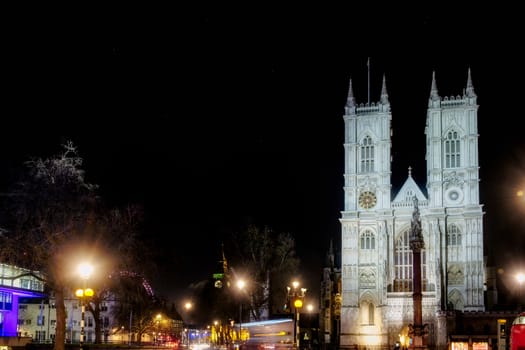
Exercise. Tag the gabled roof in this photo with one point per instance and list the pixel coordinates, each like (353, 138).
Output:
(409, 190)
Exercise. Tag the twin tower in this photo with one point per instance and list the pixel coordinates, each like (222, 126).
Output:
(376, 258)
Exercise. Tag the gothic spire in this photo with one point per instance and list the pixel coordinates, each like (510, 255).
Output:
(350, 100)
(330, 257)
(384, 93)
(470, 88)
(224, 261)
(434, 96)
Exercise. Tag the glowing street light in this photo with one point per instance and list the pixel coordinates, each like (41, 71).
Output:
(158, 319)
(240, 284)
(296, 295)
(188, 306)
(85, 270)
(520, 277)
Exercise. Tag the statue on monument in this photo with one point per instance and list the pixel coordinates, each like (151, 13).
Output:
(416, 235)
(417, 330)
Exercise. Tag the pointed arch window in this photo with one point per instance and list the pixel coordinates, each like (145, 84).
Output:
(452, 150)
(371, 310)
(403, 261)
(409, 195)
(368, 240)
(454, 235)
(367, 155)
(367, 313)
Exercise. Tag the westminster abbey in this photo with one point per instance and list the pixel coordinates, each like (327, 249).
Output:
(375, 305)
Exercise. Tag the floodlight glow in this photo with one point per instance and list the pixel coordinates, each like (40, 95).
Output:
(85, 270)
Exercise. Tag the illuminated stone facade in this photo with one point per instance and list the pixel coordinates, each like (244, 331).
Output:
(376, 270)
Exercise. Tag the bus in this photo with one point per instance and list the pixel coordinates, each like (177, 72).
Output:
(268, 335)
(517, 333)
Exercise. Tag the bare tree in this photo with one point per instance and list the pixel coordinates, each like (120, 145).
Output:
(125, 278)
(269, 259)
(144, 323)
(136, 302)
(52, 217)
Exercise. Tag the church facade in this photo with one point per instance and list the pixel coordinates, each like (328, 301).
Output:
(376, 304)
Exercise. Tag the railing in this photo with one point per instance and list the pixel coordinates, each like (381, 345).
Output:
(407, 204)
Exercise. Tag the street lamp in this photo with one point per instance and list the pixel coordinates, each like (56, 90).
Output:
(158, 318)
(85, 270)
(217, 331)
(296, 296)
(188, 305)
(520, 277)
(240, 284)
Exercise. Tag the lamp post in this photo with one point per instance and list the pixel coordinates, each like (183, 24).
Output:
(296, 296)
(217, 332)
(158, 318)
(85, 270)
(309, 329)
(188, 305)
(520, 277)
(240, 284)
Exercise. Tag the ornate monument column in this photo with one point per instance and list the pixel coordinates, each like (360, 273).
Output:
(417, 330)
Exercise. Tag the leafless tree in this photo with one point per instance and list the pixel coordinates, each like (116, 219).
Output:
(52, 217)
(268, 260)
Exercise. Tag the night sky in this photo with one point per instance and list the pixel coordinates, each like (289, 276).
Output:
(214, 116)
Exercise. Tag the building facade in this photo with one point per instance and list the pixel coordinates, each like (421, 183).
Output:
(28, 314)
(376, 259)
(16, 283)
(37, 320)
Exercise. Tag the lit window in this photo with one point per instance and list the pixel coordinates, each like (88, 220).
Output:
(367, 155)
(453, 235)
(368, 240)
(403, 260)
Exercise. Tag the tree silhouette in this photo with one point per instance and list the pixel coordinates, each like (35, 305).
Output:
(52, 219)
(268, 261)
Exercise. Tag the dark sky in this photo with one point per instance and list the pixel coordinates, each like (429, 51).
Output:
(213, 116)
